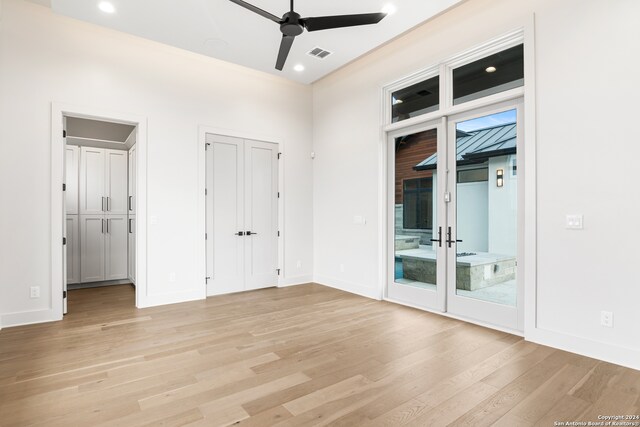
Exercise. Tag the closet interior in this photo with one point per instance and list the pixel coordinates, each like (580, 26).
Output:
(100, 202)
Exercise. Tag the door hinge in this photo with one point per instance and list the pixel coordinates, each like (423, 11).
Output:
(278, 194)
(278, 233)
(206, 280)
(206, 236)
(279, 155)
(64, 241)
(64, 187)
(64, 133)
(64, 294)
(278, 271)
(206, 146)
(205, 191)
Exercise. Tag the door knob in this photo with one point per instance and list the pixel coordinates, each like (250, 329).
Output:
(449, 240)
(240, 233)
(251, 233)
(439, 239)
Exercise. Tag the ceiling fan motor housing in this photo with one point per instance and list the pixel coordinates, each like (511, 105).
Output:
(291, 24)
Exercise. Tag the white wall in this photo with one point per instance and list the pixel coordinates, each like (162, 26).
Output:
(46, 58)
(587, 95)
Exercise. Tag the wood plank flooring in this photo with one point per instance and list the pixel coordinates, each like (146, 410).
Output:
(299, 356)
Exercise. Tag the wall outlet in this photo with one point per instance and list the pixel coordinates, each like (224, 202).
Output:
(299, 264)
(172, 277)
(606, 319)
(341, 268)
(34, 292)
(574, 222)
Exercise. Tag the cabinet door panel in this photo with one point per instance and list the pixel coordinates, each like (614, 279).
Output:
(116, 247)
(133, 180)
(92, 236)
(116, 182)
(132, 248)
(92, 162)
(73, 249)
(72, 172)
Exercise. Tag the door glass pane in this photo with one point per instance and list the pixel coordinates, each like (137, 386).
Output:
(415, 210)
(487, 203)
(493, 74)
(420, 98)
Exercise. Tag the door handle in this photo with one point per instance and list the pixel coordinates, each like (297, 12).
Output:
(251, 233)
(439, 239)
(240, 233)
(130, 203)
(449, 240)
(107, 211)
(130, 225)
(102, 222)
(108, 225)
(102, 204)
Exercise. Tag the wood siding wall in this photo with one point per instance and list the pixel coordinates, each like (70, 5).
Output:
(414, 149)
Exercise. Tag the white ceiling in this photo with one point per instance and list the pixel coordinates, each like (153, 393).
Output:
(226, 31)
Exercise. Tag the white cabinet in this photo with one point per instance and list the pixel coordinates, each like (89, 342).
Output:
(116, 182)
(92, 253)
(73, 249)
(116, 247)
(131, 233)
(72, 165)
(103, 181)
(103, 248)
(133, 181)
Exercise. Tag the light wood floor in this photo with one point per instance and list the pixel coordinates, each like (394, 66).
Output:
(305, 355)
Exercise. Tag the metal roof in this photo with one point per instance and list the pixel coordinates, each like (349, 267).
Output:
(479, 145)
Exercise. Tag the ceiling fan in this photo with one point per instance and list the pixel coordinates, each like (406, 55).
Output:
(292, 25)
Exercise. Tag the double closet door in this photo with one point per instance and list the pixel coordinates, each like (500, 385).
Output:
(241, 214)
(103, 214)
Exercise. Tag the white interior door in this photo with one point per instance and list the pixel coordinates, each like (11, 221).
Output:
(261, 214)
(92, 255)
(72, 168)
(116, 187)
(92, 172)
(133, 179)
(116, 242)
(225, 214)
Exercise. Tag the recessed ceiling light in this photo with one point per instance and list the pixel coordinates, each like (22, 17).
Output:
(106, 7)
(389, 9)
(491, 69)
(299, 68)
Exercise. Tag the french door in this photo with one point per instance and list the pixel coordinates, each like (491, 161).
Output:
(455, 220)
(241, 214)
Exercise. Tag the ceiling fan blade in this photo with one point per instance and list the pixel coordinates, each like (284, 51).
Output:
(285, 47)
(341, 21)
(257, 10)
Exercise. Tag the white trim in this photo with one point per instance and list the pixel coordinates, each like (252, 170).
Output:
(58, 111)
(201, 220)
(350, 287)
(295, 281)
(9, 320)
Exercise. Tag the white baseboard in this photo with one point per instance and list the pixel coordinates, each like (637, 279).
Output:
(343, 285)
(28, 318)
(146, 301)
(294, 281)
(622, 356)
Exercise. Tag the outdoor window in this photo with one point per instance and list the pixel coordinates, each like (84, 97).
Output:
(473, 175)
(513, 161)
(421, 98)
(490, 75)
(417, 203)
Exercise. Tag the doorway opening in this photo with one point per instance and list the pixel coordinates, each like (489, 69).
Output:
(242, 214)
(455, 215)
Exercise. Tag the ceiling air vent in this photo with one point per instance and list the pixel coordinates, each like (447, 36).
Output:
(319, 53)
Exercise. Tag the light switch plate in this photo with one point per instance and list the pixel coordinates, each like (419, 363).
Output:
(574, 222)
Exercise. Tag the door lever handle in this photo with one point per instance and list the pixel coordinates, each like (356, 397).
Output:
(449, 240)
(439, 239)
(240, 233)
(251, 233)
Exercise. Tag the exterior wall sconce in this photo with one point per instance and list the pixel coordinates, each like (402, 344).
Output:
(499, 177)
